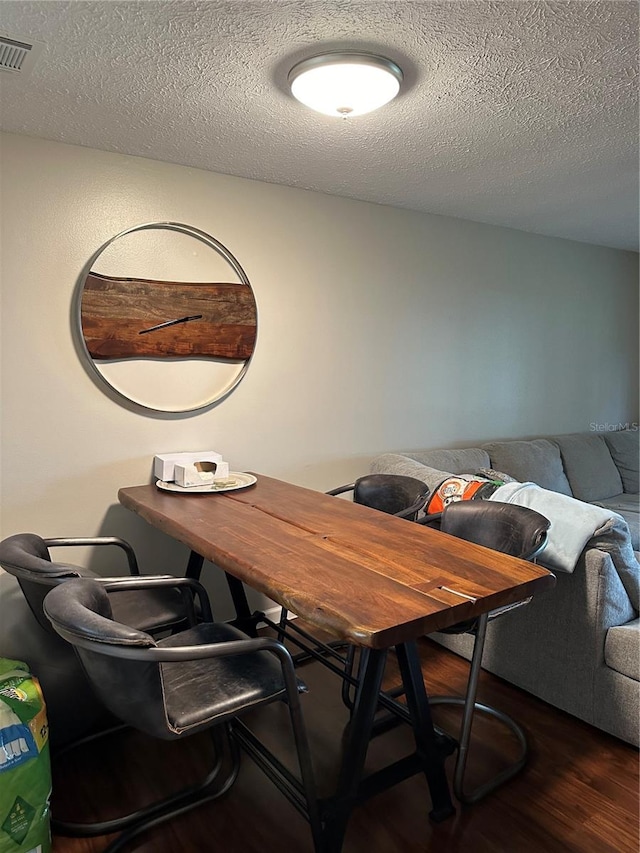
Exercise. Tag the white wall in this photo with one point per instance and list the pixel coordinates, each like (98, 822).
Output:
(379, 329)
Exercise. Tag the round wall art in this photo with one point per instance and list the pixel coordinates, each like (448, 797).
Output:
(162, 322)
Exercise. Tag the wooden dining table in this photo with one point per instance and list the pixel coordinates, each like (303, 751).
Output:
(364, 577)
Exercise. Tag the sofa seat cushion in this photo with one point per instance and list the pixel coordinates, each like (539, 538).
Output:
(624, 446)
(622, 649)
(628, 506)
(536, 461)
(458, 461)
(587, 462)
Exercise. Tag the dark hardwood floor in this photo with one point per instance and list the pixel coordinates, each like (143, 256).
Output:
(578, 793)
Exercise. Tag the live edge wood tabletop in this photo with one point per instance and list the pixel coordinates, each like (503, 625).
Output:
(359, 574)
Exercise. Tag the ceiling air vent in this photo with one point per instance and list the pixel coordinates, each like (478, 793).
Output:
(18, 56)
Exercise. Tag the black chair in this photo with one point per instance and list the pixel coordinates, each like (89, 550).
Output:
(514, 530)
(72, 709)
(201, 678)
(394, 494)
(28, 558)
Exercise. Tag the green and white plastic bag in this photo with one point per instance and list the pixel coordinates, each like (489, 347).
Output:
(25, 771)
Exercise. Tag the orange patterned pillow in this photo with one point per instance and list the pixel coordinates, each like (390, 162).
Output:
(461, 488)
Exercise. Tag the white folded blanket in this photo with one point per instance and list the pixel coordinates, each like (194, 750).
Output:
(574, 526)
(573, 522)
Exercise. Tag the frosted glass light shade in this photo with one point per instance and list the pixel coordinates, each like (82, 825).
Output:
(345, 84)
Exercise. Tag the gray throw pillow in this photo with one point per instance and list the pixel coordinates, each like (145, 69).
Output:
(624, 446)
(536, 461)
(589, 466)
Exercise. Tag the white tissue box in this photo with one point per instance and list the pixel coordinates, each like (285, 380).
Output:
(200, 473)
(222, 471)
(189, 475)
(164, 464)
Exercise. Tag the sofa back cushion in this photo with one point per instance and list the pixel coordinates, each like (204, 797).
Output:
(466, 460)
(536, 461)
(624, 446)
(395, 463)
(589, 467)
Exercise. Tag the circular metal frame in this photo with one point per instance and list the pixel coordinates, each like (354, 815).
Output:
(208, 240)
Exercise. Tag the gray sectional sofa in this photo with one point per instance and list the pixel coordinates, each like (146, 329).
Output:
(576, 646)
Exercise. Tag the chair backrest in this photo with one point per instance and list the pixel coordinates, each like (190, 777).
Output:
(511, 529)
(394, 494)
(26, 557)
(132, 689)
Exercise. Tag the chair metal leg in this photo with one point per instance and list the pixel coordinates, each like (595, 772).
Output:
(306, 772)
(470, 705)
(143, 819)
(300, 791)
(69, 747)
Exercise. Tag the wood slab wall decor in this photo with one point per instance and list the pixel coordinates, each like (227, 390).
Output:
(141, 318)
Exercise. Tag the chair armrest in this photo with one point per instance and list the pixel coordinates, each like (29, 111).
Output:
(175, 654)
(431, 520)
(507, 608)
(409, 512)
(341, 489)
(413, 510)
(184, 585)
(233, 647)
(98, 540)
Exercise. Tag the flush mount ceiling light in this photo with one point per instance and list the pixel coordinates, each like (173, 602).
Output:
(345, 84)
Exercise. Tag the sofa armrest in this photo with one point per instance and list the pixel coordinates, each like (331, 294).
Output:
(606, 596)
(563, 630)
(555, 647)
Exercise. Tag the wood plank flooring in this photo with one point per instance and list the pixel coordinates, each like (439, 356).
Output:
(578, 794)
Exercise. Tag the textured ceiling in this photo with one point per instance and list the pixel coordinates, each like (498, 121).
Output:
(518, 112)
